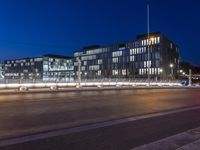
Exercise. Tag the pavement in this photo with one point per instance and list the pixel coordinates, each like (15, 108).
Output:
(188, 140)
(24, 114)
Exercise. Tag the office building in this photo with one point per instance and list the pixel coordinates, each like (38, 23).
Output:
(1, 72)
(47, 67)
(130, 59)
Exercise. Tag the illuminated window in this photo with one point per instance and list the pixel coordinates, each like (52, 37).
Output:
(99, 72)
(145, 42)
(123, 72)
(145, 64)
(115, 72)
(131, 51)
(90, 57)
(158, 39)
(99, 61)
(82, 68)
(38, 59)
(132, 58)
(117, 53)
(171, 45)
(45, 67)
(140, 71)
(85, 63)
(115, 60)
(148, 63)
(94, 67)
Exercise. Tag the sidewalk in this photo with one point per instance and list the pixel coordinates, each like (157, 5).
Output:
(192, 146)
(189, 140)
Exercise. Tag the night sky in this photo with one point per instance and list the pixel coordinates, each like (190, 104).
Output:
(36, 27)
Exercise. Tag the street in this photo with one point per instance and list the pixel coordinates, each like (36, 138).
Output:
(38, 112)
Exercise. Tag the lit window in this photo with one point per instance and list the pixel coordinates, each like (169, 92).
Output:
(144, 49)
(84, 63)
(117, 53)
(90, 57)
(145, 64)
(115, 72)
(99, 73)
(115, 60)
(137, 50)
(145, 42)
(132, 58)
(82, 68)
(123, 72)
(38, 59)
(140, 71)
(99, 61)
(94, 67)
(131, 51)
(158, 39)
(45, 67)
(149, 64)
(171, 45)
(152, 70)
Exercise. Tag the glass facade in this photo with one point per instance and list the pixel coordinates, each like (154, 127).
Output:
(48, 67)
(129, 59)
(1, 71)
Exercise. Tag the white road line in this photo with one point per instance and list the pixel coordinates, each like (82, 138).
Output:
(181, 141)
(87, 127)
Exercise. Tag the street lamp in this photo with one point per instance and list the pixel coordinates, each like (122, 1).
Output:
(171, 66)
(79, 71)
(161, 71)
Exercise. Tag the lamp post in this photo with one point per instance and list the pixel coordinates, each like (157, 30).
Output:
(190, 77)
(79, 71)
(161, 71)
(171, 66)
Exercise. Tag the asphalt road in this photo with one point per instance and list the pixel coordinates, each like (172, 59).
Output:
(118, 137)
(28, 113)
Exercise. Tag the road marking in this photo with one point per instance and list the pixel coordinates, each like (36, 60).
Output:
(39, 136)
(182, 141)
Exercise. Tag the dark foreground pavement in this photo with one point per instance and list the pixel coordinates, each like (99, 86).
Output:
(32, 113)
(118, 137)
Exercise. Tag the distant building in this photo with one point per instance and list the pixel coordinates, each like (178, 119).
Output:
(121, 60)
(130, 59)
(47, 67)
(1, 72)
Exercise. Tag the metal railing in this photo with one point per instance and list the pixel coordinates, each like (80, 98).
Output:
(55, 84)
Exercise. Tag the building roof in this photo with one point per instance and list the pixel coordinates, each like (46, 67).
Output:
(145, 35)
(47, 55)
(58, 56)
(140, 36)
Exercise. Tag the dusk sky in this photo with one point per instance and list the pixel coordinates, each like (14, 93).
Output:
(36, 27)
